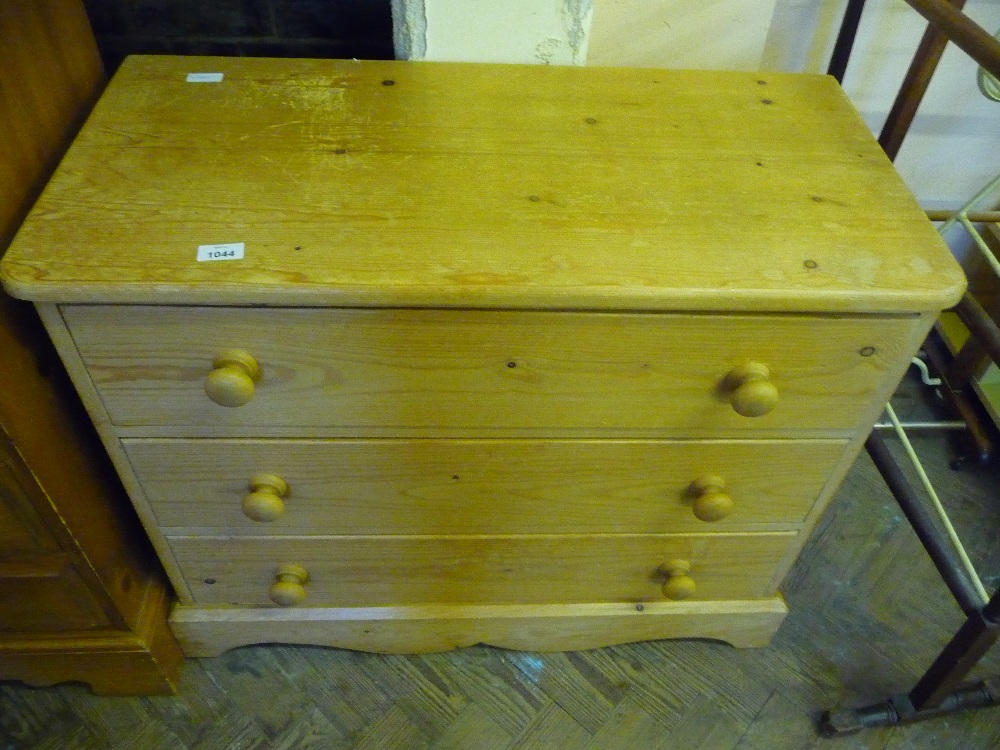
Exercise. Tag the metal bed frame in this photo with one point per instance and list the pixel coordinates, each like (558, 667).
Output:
(941, 689)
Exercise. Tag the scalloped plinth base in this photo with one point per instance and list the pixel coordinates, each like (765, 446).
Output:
(204, 631)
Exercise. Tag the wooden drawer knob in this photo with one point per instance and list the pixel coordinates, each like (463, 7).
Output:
(752, 394)
(711, 502)
(231, 381)
(679, 585)
(289, 587)
(264, 503)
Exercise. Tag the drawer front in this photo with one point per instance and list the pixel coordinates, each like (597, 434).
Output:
(390, 571)
(433, 370)
(478, 486)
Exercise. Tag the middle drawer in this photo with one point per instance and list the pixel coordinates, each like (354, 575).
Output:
(424, 486)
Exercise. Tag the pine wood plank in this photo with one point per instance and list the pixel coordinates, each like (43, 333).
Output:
(77, 585)
(376, 571)
(883, 392)
(145, 660)
(426, 629)
(478, 486)
(554, 186)
(52, 74)
(461, 370)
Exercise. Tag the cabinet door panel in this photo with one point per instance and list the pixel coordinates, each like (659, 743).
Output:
(21, 530)
(43, 593)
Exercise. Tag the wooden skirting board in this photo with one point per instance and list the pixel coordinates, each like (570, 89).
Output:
(390, 630)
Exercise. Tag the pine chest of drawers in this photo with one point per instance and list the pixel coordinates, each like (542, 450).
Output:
(405, 357)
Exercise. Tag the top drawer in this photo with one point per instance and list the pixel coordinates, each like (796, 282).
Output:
(435, 371)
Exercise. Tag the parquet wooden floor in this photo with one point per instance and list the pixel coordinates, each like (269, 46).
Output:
(868, 615)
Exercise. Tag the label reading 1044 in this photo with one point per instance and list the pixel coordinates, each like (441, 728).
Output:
(229, 251)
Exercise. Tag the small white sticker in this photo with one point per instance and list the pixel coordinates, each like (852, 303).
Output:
(204, 78)
(230, 251)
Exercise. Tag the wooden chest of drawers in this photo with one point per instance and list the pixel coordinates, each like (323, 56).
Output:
(545, 358)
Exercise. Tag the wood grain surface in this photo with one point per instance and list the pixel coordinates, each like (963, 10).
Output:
(52, 74)
(208, 631)
(591, 242)
(401, 184)
(370, 571)
(479, 486)
(868, 613)
(80, 596)
(434, 370)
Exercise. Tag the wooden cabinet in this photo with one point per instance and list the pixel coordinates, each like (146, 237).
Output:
(81, 596)
(539, 357)
(41, 590)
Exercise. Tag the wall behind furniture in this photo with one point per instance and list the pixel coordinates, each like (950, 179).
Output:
(262, 28)
(953, 146)
(711, 34)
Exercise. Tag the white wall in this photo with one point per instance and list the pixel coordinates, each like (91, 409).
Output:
(510, 31)
(708, 34)
(953, 146)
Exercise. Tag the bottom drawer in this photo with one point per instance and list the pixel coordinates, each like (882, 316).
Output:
(371, 571)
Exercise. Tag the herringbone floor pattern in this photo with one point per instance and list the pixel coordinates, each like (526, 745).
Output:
(868, 615)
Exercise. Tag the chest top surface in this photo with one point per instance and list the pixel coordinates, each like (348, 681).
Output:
(461, 185)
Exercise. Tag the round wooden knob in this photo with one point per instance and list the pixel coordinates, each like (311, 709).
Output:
(679, 585)
(752, 394)
(711, 502)
(231, 381)
(264, 503)
(289, 587)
